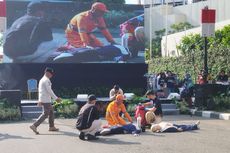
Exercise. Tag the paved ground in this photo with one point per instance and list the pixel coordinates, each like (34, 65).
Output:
(213, 137)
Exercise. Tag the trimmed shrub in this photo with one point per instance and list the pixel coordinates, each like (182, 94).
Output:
(67, 108)
(9, 112)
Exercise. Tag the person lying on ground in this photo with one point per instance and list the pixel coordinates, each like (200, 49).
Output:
(170, 127)
(125, 129)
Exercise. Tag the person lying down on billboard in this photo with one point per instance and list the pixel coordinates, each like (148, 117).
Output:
(108, 53)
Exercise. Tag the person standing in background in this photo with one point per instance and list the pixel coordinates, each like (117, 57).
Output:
(114, 92)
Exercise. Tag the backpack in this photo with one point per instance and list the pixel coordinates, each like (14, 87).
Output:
(79, 123)
(22, 40)
(83, 119)
(140, 110)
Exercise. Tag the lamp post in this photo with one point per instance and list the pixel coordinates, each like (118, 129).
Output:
(166, 29)
(150, 28)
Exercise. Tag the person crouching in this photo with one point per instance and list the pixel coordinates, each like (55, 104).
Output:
(88, 122)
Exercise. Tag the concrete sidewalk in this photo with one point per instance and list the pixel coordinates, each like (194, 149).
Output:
(213, 137)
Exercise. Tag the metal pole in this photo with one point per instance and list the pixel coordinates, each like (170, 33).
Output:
(150, 29)
(205, 59)
(166, 31)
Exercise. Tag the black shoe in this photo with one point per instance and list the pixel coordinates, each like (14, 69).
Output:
(91, 137)
(98, 133)
(142, 128)
(82, 136)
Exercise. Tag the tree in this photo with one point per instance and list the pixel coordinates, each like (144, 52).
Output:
(156, 45)
(181, 27)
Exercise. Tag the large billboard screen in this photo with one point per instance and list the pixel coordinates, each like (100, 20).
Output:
(73, 32)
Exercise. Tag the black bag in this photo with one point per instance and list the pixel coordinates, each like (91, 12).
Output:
(79, 123)
(83, 119)
(14, 44)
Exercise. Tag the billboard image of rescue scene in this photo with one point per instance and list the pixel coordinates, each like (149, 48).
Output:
(63, 31)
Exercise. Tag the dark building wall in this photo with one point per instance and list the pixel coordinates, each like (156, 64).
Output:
(75, 75)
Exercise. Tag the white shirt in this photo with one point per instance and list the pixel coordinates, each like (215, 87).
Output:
(112, 94)
(45, 92)
(165, 125)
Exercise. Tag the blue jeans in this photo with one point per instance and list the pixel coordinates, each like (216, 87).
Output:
(183, 127)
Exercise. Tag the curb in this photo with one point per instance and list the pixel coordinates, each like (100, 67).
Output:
(212, 114)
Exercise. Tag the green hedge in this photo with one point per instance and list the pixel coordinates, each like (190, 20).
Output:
(67, 109)
(9, 112)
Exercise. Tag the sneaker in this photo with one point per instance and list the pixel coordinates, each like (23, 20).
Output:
(53, 129)
(91, 137)
(105, 131)
(82, 136)
(32, 127)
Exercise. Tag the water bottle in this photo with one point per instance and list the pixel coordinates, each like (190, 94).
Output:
(139, 122)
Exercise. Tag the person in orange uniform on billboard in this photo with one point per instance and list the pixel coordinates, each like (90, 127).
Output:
(79, 30)
(112, 113)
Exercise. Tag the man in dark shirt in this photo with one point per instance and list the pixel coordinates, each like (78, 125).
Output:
(88, 122)
(171, 82)
(222, 77)
(155, 105)
(27, 32)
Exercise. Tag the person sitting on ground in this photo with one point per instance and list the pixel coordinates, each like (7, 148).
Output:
(113, 110)
(88, 122)
(114, 92)
(169, 127)
(153, 102)
(125, 129)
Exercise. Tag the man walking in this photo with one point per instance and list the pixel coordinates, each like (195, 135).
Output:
(45, 93)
